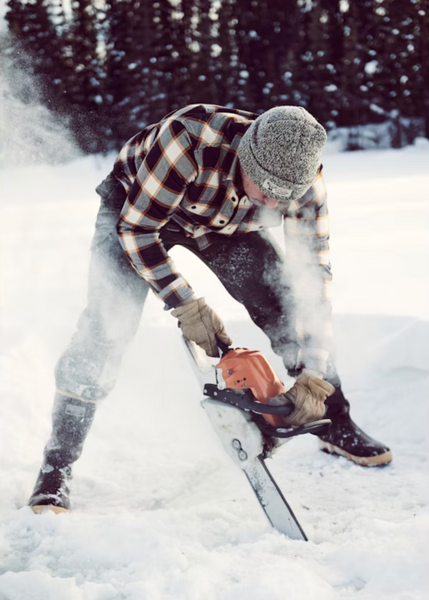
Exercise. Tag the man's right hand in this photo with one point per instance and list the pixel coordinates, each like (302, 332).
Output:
(308, 397)
(202, 325)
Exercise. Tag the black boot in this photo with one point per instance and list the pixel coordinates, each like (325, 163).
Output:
(71, 421)
(345, 438)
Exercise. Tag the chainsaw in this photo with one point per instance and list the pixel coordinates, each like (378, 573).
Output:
(237, 390)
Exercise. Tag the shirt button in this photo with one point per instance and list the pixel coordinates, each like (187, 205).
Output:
(222, 222)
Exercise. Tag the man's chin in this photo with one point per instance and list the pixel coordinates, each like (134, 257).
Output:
(271, 204)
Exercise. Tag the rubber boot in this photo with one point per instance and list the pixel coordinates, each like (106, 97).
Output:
(345, 438)
(71, 421)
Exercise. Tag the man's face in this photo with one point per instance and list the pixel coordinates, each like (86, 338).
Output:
(254, 193)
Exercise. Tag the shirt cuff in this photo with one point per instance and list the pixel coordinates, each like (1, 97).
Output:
(312, 373)
(175, 293)
(315, 360)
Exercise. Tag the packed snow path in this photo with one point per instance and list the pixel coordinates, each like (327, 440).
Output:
(159, 511)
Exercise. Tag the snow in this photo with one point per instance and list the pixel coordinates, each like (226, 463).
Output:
(159, 510)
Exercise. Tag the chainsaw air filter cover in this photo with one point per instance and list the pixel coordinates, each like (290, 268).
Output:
(244, 369)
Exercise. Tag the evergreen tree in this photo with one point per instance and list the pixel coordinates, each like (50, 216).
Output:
(203, 76)
(422, 41)
(401, 84)
(332, 17)
(183, 59)
(229, 76)
(313, 78)
(128, 41)
(266, 44)
(83, 75)
(36, 48)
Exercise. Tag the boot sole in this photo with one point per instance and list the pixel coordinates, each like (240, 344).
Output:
(47, 508)
(363, 461)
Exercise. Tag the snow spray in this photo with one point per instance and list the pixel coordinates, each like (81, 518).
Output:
(29, 132)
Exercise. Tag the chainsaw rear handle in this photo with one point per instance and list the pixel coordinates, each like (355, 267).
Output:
(314, 427)
(244, 400)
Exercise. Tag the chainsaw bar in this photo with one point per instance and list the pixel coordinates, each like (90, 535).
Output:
(244, 443)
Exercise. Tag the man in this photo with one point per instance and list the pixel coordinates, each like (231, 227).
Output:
(211, 179)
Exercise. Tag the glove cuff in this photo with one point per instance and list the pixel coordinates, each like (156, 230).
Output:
(190, 309)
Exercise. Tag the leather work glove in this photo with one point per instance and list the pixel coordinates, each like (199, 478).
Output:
(308, 396)
(201, 324)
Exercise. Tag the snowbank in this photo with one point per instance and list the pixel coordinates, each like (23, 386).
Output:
(160, 512)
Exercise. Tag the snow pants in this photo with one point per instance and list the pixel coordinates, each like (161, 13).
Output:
(249, 266)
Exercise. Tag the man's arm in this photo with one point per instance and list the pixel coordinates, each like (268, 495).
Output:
(168, 168)
(307, 257)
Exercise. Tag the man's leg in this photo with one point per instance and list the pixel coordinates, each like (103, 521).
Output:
(87, 370)
(251, 269)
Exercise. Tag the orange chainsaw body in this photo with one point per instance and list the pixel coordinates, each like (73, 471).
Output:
(244, 369)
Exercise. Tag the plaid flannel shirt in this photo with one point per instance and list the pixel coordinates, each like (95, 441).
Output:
(185, 169)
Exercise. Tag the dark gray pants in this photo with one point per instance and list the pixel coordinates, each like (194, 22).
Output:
(249, 266)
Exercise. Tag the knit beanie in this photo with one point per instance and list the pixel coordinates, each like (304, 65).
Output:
(280, 152)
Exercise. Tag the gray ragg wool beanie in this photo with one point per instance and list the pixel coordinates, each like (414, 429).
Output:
(280, 152)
